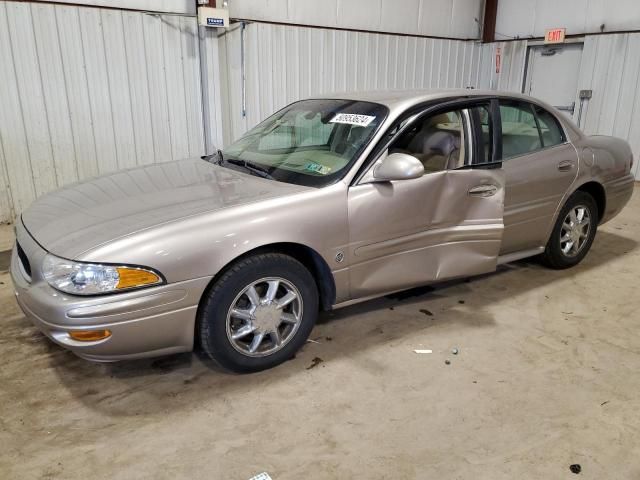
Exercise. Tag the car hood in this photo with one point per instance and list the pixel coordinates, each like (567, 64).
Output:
(80, 217)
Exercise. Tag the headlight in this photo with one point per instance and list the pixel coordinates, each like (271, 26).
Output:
(92, 278)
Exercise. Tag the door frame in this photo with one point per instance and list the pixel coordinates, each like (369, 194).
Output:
(417, 112)
(538, 44)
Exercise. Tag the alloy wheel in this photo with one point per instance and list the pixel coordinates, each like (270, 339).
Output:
(575, 230)
(264, 317)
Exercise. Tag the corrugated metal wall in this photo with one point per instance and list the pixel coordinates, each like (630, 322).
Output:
(87, 90)
(610, 67)
(436, 18)
(530, 18)
(286, 63)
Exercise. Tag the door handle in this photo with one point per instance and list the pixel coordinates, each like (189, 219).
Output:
(565, 166)
(483, 190)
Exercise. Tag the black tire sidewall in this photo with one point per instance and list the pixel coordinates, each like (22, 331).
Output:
(217, 301)
(553, 253)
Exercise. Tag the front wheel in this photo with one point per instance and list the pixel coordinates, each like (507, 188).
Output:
(573, 233)
(259, 313)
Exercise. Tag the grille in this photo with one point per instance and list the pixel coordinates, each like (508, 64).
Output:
(24, 260)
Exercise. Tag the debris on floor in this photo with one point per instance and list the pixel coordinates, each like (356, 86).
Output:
(426, 312)
(423, 351)
(575, 468)
(454, 351)
(261, 476)
(315, 362)
(447, 362)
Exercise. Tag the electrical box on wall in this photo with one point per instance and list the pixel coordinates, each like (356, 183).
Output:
(213, 17)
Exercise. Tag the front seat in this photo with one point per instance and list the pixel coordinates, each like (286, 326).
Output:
(436, 148)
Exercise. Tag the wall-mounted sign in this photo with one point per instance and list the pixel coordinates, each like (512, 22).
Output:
(554, 35)
(213, 17)
(498, 59)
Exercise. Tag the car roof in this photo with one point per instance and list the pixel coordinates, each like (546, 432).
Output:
(396, 98)
(400, 100)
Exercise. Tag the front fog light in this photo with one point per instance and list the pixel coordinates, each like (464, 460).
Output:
(89, 335)
(91, 278)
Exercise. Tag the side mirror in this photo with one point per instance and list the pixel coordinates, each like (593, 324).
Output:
(398, 166)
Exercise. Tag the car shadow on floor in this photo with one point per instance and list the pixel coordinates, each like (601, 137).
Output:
(177, 381)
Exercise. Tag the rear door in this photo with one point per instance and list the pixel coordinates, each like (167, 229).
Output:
(447, 223)
(540, 166)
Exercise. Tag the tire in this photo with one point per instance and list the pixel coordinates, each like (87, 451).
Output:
(555, 255)
(230, 309)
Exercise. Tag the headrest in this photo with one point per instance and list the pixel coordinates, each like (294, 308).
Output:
(433, 121)
(441, 142)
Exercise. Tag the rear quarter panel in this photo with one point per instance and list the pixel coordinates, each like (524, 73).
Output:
(607, 161)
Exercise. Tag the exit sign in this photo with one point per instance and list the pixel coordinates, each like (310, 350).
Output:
(554, 35)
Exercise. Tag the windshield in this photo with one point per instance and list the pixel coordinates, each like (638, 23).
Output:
(311, 142)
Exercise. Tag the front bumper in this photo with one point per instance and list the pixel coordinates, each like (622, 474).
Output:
(143, 323)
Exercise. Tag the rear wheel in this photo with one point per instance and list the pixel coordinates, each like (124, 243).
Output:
(573, 233)
(259, 313)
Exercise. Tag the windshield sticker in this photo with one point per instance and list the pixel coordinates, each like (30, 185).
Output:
(353, 119)
(317, 168)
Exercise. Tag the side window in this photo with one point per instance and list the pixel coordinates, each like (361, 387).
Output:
(520, 133)
(438, 141)
(550, 129)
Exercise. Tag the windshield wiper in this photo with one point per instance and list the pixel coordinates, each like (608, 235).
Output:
(252, 167)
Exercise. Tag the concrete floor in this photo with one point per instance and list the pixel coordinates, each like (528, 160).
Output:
(547, 376)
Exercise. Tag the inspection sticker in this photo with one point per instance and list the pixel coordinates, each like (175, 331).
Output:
(353, 119)
(317, 168)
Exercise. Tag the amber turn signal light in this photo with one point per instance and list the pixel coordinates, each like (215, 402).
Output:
(89, 335)
(135, 277)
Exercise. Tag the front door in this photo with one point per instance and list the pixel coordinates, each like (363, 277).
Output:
(447, 223)
(552, 75)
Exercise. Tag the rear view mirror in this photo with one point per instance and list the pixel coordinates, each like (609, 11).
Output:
(398, 166)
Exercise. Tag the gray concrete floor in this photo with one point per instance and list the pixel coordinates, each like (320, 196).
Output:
(547, 376)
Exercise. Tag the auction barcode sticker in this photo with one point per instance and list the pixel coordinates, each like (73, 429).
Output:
(353, 119)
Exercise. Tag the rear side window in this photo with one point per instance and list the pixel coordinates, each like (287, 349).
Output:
(520, 133)
(550, 129)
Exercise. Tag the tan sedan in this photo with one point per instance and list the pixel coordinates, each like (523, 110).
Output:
(328, 202)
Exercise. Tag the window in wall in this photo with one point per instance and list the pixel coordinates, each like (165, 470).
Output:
(438, 141)
(550, 129)
(520, 133)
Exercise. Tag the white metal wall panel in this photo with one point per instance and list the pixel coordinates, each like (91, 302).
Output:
(611, 68)
(167, 6)
(286, 63)
(439, 18)
(88, 91)
(530, 18)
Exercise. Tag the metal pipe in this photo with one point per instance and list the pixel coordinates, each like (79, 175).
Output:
(580, 112)
(242, 72)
